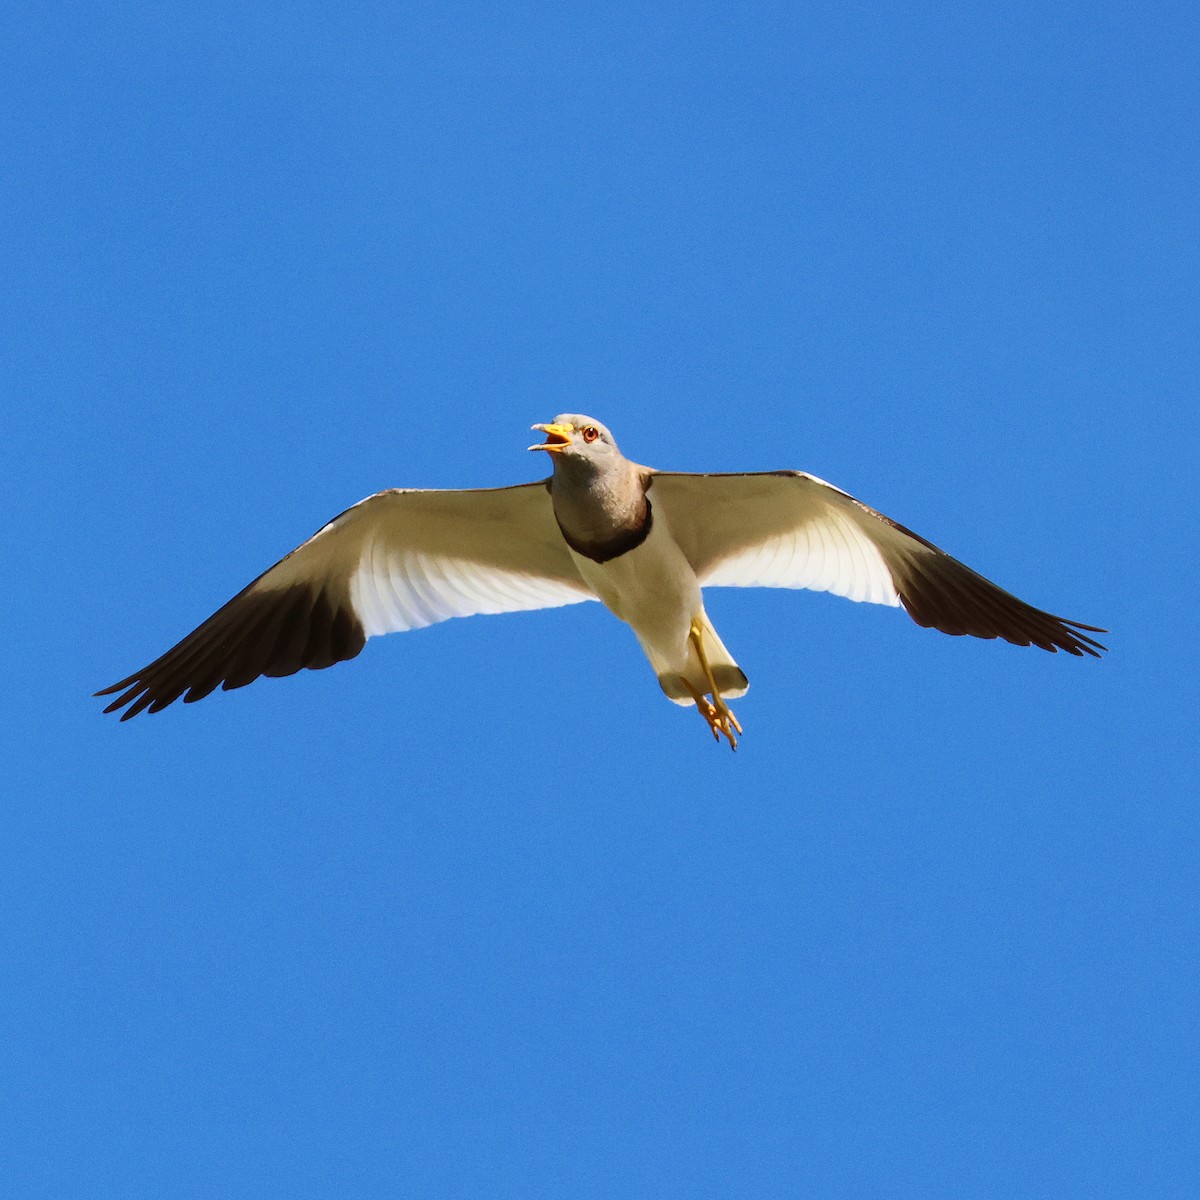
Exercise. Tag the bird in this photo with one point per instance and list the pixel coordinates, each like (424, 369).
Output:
(643, 542)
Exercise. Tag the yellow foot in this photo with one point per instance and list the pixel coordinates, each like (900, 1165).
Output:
(720, 719)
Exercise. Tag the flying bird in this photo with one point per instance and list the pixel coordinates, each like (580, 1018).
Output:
(643, 542)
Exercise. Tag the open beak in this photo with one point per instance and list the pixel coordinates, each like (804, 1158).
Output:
(558, 437)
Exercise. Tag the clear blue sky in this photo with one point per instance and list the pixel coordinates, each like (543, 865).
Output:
(480, 913)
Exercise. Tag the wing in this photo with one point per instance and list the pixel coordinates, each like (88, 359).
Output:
(398, 560)
(788, 529)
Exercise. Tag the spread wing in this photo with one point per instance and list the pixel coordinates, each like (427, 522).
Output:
(788, 529)
(398, 560)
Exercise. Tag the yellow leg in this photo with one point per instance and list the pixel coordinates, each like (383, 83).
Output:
(718, 714)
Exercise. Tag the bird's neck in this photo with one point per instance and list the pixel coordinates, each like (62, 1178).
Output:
(600, 510)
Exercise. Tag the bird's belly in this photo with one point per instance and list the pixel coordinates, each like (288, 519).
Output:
(651, 587)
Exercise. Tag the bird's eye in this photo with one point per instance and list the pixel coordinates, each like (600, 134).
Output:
(591, 433)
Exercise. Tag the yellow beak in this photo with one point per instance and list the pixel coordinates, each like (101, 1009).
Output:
(558, 437)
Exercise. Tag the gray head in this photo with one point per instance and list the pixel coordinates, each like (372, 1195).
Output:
(599, 496)
(579, 444)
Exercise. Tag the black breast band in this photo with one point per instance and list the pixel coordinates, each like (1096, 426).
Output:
(613, 547)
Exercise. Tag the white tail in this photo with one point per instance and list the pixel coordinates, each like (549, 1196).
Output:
(681, 686)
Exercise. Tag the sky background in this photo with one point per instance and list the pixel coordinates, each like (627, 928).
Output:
(481, 913)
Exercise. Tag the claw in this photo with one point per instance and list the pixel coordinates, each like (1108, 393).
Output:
(719, 722)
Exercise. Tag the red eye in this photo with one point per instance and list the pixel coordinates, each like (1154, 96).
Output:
(591, 433)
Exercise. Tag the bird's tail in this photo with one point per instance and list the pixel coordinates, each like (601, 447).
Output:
(682, 685)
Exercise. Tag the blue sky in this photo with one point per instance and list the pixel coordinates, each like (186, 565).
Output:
(480, 913)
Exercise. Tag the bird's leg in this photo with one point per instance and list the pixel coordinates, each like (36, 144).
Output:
(718, 714)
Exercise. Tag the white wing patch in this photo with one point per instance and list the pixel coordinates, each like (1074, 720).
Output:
(396, 590)
(827, 553)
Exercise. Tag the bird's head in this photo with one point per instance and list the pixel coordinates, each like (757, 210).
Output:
(576, 441)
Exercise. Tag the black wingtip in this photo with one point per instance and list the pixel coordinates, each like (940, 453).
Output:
(274, 633)
(1086, 645)
(116, 687)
